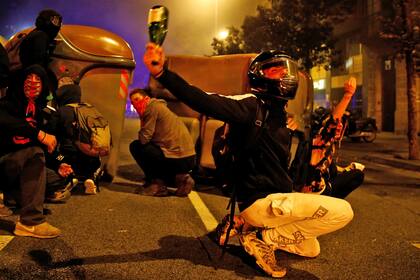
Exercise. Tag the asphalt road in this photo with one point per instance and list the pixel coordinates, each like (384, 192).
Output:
(117, 234)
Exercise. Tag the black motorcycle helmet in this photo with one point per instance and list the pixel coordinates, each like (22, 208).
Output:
(49, 21)
(284, 87)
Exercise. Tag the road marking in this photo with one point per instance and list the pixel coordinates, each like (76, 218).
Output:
(206, 216)
(416, 244)
(4, 240)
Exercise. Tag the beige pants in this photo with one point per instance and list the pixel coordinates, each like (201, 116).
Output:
(293, 221)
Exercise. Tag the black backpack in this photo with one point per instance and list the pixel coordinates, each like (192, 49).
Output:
(223, 153)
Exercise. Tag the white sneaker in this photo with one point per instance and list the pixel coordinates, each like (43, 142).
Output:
(90, 187)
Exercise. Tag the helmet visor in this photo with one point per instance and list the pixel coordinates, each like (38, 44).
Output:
(280, 69)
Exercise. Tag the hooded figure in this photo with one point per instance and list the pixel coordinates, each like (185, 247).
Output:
(39, 43)
(22, 160)
(22, 113)
(63, 125)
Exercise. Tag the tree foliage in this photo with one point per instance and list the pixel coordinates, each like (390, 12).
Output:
(401, 26)
(301, 28)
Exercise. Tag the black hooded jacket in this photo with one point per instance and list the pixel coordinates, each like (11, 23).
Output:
(61, 123)
(38, 45)
(13, 115)
(260, 170)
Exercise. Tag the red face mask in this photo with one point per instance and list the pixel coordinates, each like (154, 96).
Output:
(139, 103)
(32, 86)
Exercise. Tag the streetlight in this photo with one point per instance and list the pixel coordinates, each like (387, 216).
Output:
(223, 34)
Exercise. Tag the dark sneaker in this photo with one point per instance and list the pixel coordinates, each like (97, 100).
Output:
(63, 195)
(5, 211)
(184, 184)
(263, 254)
(155, 188)
(60, 196)
(44, 230)
(222, 228)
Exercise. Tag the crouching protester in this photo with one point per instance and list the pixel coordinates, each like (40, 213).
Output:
(164, 149)
(22, 159)
(271, 217)
(324, 175)
(64, 123)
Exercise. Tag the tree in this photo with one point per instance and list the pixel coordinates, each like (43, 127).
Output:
(401, 26)
(301, 28)
(231, 45)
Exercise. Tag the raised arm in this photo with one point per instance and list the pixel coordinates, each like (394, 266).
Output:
(349, 90)
(229, 109)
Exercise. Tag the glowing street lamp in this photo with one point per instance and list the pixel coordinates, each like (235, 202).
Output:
(223, 34)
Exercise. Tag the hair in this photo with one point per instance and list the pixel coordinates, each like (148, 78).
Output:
(141, 91)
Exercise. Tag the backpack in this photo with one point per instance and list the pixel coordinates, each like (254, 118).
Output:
(222, 152)
(92, 134)
(13, 48)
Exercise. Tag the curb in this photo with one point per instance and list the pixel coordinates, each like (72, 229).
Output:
(394, 163)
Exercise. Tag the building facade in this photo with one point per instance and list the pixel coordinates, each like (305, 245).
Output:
(381, 75)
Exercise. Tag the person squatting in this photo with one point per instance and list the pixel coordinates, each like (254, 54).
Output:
(271, 216)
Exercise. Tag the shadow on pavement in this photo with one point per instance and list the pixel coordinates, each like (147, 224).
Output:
(171, 247)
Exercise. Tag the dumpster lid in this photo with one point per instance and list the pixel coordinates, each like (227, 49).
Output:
(93, 44)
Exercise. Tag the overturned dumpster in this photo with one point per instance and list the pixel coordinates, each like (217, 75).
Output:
(102, 62)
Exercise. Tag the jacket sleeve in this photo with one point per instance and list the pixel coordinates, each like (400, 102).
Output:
(17, 126)
(228, 109)
(148, 124)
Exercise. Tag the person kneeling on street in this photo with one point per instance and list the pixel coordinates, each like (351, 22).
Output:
(164, 150)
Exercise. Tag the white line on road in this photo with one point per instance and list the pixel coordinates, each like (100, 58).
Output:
(4, 240)
(206, 216)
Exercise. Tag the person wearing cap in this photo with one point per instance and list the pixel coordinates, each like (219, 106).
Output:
(271, 216)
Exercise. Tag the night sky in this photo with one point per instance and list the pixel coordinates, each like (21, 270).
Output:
(192, 23)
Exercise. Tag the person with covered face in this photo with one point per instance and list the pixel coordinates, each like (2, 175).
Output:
(63, 123)
(37, 48)
(271, 216)
(164, 149)
(22, 158)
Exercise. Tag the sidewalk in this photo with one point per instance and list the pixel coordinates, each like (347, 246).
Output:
(388, 149)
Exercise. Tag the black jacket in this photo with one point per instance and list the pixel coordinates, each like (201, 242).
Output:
(13, 114)
(261, 170)
(62, 122)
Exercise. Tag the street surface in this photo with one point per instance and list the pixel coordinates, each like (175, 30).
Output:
(117, 234)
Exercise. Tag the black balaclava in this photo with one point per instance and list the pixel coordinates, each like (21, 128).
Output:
(68, 94)
(49, 21)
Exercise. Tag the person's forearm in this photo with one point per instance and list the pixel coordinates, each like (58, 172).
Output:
(342, 106)
(212, 105)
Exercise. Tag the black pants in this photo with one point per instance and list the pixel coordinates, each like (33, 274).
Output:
(25, 179)
(346, 182)
(155, 165)
(84, 166)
